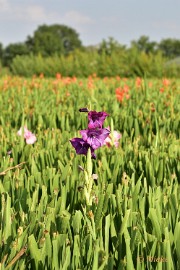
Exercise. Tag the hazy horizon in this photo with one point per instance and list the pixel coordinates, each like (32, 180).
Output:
(124, 20)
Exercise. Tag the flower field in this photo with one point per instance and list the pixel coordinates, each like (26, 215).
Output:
(89, 173)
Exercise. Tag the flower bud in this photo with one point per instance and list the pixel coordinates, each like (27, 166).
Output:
(84, 110)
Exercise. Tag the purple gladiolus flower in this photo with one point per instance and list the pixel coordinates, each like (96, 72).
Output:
(96, 119)
(82, 147)
(95, 137)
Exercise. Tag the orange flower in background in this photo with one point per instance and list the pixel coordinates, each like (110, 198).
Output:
(105, 79)
(161, 90)
(66, 80)
(126, 88)
(122, 92)
(150, 84)
(67, 94)
(74, 79)
(138, 82)
(166, 82)
(58, 76)
(41, 76)
(80, 83)
(90, 83)
(119, 94)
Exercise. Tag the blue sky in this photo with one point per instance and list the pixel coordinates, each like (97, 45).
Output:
(94, 20)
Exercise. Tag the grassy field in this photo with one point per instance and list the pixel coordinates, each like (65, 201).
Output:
(60, 210)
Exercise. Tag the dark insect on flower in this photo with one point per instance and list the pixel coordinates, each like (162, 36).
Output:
(83, 110)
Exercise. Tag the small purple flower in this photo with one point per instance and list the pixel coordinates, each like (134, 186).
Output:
(81, 147)
(95, 137)
(96, 119)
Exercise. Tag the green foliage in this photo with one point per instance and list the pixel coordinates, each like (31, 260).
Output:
(85, 63)
(170, 47)
(143, 64)
(172, 67)
(143, 44)
(1, 51)
(53, 39)
(110, 46)
(109, 59)
(3, 70)
(134, 219)
(61, 44)
(13, 50)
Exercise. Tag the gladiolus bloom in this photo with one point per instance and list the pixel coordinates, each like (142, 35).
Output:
(28, 135)
(96, 119)
(95, 137)
(81, 147)
(113, 138)
(122, 93)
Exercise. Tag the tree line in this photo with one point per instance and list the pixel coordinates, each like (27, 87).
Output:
(61, 40)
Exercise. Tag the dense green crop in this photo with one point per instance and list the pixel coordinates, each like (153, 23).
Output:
(46, 220)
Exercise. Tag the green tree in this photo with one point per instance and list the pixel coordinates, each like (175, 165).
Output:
(53, 39)
(1, 51)
(170, 47)
(109, 46)
(144, 45)
(12, 50)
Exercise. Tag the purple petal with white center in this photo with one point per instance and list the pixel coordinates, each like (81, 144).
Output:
(95, 137)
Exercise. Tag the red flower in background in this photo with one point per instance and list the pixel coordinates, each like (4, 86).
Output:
(122, 93)
(165, 84)
(138, 82)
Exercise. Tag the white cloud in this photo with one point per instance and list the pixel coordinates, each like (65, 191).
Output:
(31, 13)
(4, 5)
(23, 13)
(77, 18)
(38, 14)
(168, 25)
(110, 19)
